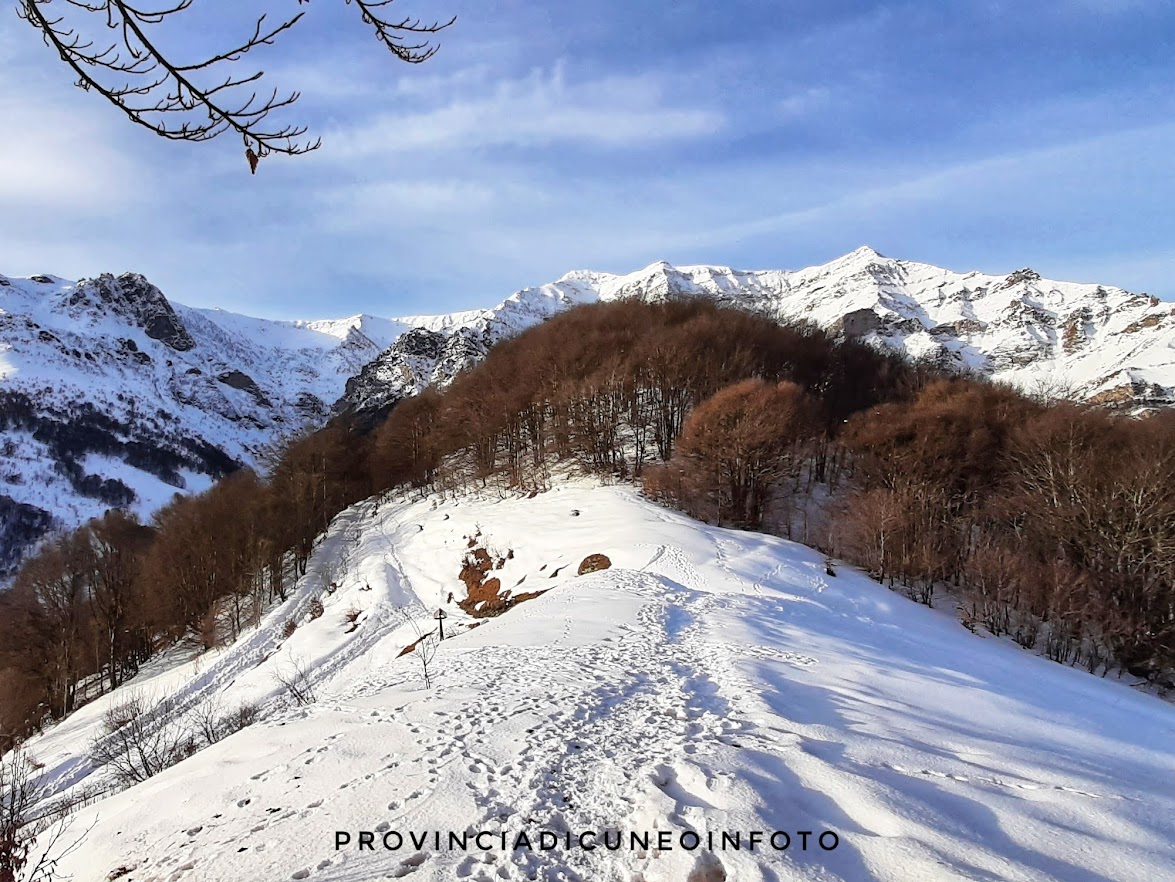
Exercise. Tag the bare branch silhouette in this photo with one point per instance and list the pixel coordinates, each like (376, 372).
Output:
(201, 99)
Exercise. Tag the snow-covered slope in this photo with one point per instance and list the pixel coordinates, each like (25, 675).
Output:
(710, 681)
(111, 395)
(1093, 341)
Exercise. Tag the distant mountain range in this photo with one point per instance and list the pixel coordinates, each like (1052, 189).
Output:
(110, 395)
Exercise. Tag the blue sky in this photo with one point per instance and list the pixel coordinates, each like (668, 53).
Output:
(546, 137)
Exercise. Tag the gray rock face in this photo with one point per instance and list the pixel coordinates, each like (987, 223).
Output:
(137, 300)
(860, 322)
(242, 381)
(20, 526)
(419, 358)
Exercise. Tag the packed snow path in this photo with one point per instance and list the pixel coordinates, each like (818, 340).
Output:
(709, 681)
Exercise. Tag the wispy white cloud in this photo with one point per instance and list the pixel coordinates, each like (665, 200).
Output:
(496, 166)
(805, 102)
(53, 158)
(540, 109)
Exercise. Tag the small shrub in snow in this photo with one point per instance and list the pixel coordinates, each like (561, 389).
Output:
(289, 628)
(213, 724)
(138, 740)
(294, 680)
(426, 650)
(316, 608)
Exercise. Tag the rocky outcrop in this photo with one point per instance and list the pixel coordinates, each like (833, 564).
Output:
(859, 323)
(418, 359)
(134, 298)
(21, 525)
(593, 563)
(241, 380)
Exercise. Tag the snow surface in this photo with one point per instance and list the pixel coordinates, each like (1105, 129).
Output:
(710, 680)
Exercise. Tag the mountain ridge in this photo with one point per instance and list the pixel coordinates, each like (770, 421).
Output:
(114, 395)
(1087, 341)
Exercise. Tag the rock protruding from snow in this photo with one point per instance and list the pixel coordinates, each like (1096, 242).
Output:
(418, 359)
(134, 298)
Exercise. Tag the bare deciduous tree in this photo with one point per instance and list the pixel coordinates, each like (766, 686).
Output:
(736, 449)
(197, 99)
(140, 739)
(426, 650)
(212, 723)
(32, 831)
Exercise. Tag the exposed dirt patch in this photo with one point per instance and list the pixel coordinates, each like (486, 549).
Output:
(1150, 321)
(593, 563)
(484, 596)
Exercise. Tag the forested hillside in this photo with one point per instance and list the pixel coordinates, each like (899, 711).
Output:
(1053, 523)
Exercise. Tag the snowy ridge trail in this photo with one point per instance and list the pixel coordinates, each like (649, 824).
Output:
(710, 681)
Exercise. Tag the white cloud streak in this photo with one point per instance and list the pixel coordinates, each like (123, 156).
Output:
(470, 112)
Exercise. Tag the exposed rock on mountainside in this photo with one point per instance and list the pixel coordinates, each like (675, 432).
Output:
(132, 297)
(418, 359)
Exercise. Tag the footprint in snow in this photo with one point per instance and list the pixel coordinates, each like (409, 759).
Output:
(410, 865)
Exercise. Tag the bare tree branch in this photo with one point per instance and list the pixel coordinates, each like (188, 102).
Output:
(196, 100)
(392, 34)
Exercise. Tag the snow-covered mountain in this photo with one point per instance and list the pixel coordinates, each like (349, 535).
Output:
(109, 394)
(710, 681)
(1088, 341)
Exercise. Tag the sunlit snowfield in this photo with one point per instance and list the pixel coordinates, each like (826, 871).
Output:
(710, 681)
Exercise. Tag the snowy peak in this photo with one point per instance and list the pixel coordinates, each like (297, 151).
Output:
(127, 299)
(112, 396)
(137, 300)
(1092, 341)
